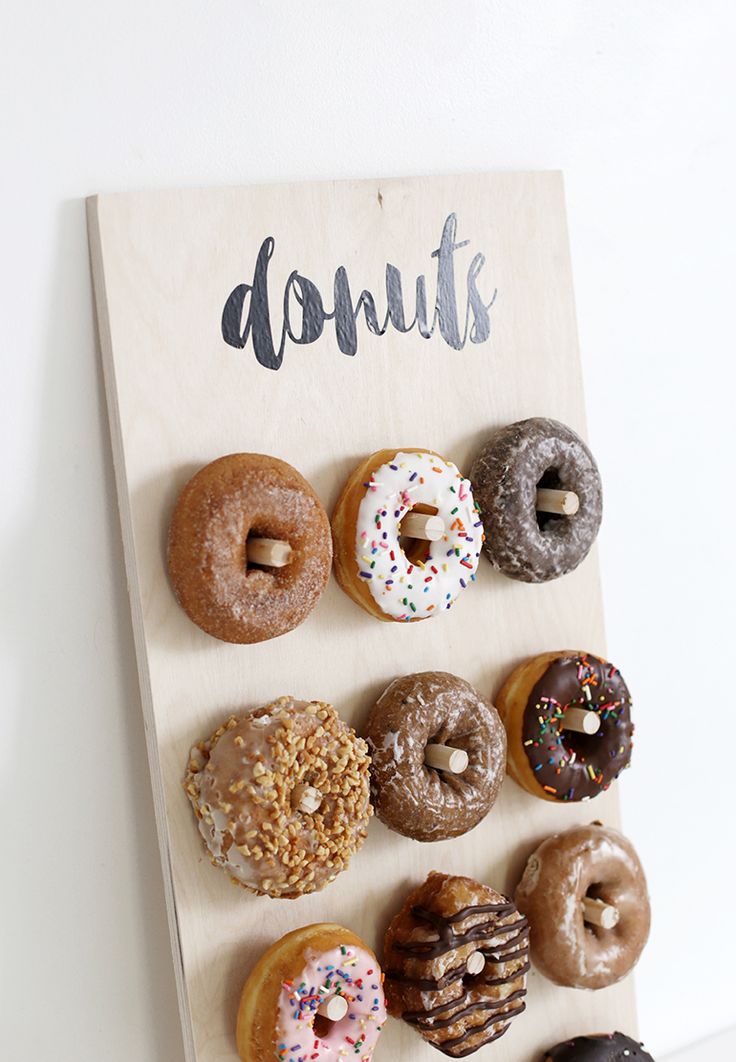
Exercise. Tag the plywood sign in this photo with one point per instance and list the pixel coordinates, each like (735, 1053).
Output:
(320, 323)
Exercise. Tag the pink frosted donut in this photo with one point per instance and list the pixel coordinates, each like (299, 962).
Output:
(309, 972)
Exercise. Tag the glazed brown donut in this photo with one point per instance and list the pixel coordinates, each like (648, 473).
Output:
(225, 502)
(601, 1047)
(588, 861)
(413, 798)
(445, 926)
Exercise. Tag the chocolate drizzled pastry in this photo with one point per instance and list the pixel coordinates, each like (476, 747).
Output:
(448, 928)
(604, 1047)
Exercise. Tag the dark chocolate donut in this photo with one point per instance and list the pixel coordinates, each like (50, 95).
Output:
(413, 798)
(546, 758)
(604, 1047)
(517, 461)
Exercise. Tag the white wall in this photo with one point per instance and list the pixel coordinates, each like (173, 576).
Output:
(634, 100)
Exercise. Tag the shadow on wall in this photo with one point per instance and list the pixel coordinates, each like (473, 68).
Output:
(79, 728)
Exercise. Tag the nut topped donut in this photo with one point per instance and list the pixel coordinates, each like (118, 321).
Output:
(281, 796)
(316, 994)
(585, 895)
(568, 719)
(438, 756)
(249, 548)
(540, 496)
(456, 959)
(407, 535)
(603, 1047)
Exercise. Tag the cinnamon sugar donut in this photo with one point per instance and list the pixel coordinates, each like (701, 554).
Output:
(295, 986)
(225, 503)
(448, 928)
(417, 800)
(588, 863)
(281, 796)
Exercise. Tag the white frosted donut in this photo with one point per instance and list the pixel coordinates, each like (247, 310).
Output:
(367, 535)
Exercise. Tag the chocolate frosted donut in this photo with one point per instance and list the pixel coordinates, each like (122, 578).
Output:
(605, 1047)
(568, 884)
(541, 701)
(455, 961)
(230, 501)
(434, 708)
(515, 463)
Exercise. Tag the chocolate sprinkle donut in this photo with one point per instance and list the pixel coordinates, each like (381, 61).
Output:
(605, 1047)
(520, 541)
(412, 798)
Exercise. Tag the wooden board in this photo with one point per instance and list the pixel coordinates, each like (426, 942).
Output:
(179, 396)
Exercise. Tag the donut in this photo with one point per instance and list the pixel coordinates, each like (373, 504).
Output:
(568, 719)
(440, 711)
(383, 567)
(220, 512)
(523, 540)
(281, 796)
(456, 959)
(316, 994)
(585, 895)
(603, 1047)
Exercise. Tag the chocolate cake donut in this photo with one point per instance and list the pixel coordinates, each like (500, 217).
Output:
(604, 1047)
(416, 716)
(455, 961)
(523, 541)
(585, 895)
(568, 720)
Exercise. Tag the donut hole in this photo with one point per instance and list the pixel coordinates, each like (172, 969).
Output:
(253, 567)
(550, 480)
(323, 1026)
(416, 550)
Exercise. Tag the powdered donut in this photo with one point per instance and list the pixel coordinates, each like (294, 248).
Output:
(594, 863)
(245, 782)
(412, 797)
(281, 1014)
(518, 460)
(456, 958)
(233, 499)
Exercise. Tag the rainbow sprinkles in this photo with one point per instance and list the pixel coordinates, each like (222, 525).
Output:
(412, 590)
(345, 971)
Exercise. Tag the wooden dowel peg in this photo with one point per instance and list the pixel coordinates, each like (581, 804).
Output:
(424, 526)
(271, 552)
(475, 963)
(581, 720)
(306, 798)
(445, 758)
(598, 913)
(335, 1008)
(560, 502)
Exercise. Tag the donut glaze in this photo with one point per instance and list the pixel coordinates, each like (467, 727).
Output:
(225, 502)
(605, 1047)
(371, 564)
(412, 798)
(522, 543)
(277, 1017)
(593, 861)
(543, 757)
(428, 945)
(240, 783)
